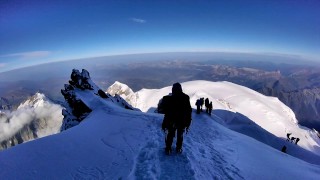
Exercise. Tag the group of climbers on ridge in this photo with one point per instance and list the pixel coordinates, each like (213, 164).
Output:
(177, 117)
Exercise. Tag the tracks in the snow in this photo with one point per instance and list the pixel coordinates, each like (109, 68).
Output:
(199, 160)
(152, 163)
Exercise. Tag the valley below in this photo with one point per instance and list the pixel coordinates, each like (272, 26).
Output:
(296, 85)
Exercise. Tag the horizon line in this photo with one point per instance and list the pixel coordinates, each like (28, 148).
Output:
(170, 52)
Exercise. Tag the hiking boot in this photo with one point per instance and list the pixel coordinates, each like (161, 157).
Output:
(168, 151)
(178, 150)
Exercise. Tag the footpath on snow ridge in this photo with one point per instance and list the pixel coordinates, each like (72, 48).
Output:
(200, 158)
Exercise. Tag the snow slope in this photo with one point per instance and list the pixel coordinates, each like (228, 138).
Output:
(114, 143)
(238, 108)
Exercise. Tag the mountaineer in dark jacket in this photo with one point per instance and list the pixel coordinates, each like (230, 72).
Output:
(177, 116)
(206, 104)
(210, 108)
(198, 104)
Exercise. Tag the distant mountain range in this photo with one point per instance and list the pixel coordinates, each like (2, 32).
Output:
(104, 137)
(295, 85)
(295, 82)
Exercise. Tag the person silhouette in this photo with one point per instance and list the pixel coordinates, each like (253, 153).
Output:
(177, 117)
(206, 104)
(198, 104)
(288, 136)
(284, 149)
(210, 108)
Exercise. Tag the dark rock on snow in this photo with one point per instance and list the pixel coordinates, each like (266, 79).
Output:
(76, 109)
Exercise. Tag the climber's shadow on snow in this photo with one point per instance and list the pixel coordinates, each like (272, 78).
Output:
(242, 124)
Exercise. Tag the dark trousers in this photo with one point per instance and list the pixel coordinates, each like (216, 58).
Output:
(198, 109)
(171, 135)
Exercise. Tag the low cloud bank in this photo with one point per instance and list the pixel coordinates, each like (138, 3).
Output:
(45, 120)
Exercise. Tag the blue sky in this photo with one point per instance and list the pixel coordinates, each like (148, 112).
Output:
(33, 32)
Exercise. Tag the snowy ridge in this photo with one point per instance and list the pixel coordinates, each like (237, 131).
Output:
(116, 143)
(267, 112)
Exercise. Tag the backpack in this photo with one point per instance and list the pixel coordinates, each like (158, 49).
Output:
(177, 111)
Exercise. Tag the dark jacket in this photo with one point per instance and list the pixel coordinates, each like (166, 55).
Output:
(177, 111)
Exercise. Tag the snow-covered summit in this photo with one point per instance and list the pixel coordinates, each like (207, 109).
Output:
(119, 88)
(36, 100)
(116, 143)
(124, 91)
(241, 109)
(238, 107)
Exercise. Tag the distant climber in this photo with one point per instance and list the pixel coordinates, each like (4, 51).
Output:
(198, 104)
(177, 117)
(292, 139)
(288, 136)
(201, 103)
(206, 104)
(284, 149)
(297, 140)
(210, 108)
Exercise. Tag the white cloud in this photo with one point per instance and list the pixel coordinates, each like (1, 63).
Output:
(137, 20)
(29, 55)
(48, 119)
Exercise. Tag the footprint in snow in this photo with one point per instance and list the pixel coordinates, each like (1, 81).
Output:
(175, 166)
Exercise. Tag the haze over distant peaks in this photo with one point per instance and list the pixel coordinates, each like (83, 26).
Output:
(112, 141)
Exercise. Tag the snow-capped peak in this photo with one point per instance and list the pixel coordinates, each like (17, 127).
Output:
(119, 88)
(36, 117)
(36, 100)
(124, 91)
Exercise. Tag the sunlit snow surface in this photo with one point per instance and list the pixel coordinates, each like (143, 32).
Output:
(115, 143)
(235, 105)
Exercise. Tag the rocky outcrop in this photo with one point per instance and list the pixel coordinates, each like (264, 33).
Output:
(77, 105)
(76, 110)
